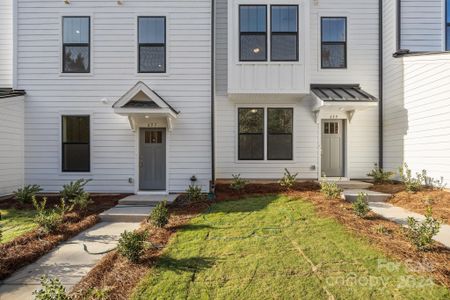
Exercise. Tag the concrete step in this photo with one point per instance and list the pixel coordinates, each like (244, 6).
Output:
(351, 195)
(147, 200)
(353, 184)
(126, 213)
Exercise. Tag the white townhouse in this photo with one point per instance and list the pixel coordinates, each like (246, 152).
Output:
(297, 86)
(149, 96)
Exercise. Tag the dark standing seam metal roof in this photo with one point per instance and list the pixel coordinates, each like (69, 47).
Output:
(345, 92)
(7, 93)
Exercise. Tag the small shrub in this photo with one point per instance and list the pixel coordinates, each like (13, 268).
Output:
(288, 180)
(238, 183)
(74, 189)
(81, 201)
(48, 220)
(381, 229)
(52, 289)
(131, 245)
(194, 193)
(99, 293)
(25, 194)
(361, 206)
(330, 189)
(430, 182)
(380, 176)
(159, 216)
(421, 233)
(412, 184)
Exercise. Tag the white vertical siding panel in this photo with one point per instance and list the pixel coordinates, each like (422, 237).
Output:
(6, 43)
(11, 144)
(186, 86)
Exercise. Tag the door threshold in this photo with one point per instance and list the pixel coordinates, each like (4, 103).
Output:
(334, 179)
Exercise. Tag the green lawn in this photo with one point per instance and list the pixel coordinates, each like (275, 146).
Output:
(15, 223)
(267, 248)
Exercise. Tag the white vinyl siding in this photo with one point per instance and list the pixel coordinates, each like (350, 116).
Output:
(50, 94)
(11, 144)
(422, 25)
(6, 43)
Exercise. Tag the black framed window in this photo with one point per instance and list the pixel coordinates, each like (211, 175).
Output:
(251, 133)
(284, 33)
(334, 42)
(76, 144)
(447, 26)
(152, 44)
(253, 33)
(76, 44)
(279, 133)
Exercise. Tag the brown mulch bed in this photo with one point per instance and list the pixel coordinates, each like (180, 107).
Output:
(31, 246)
(418, 202)
(118, 276)
(435, 262)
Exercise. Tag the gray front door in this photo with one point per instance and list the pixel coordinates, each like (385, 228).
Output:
(333, 148)
(152, 159)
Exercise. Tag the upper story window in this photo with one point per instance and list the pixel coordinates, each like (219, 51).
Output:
(334, 42)
(76, 44)
(152, 44)
(284, 33)
(447, 26)
(76, 144)
(253, 32)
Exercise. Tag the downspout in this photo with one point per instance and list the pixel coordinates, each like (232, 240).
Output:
(380, 87)
(213, 154)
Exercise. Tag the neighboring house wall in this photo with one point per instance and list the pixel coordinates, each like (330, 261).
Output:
(186, 86)
(362, 132)
(6, 43)
(11, 145)
(416, 98)
(422, 24)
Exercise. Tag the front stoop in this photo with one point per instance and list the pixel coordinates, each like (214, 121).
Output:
(135, 208)
(353, 185)
(372, 196)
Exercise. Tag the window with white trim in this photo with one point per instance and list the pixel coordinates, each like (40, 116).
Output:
(76, 44)
(152, 44)
(76, 155)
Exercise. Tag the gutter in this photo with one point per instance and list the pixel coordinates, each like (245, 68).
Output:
(213, 161)
(380, 86)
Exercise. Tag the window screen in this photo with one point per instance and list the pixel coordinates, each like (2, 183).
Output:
(334, 42)
(251, 133)
(284, 35)
(279, 133)
(75, 144)
(76, 44)
(253, 32)
(152, 44)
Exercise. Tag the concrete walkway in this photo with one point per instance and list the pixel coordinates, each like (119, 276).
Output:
(400, 215)
(68, 262)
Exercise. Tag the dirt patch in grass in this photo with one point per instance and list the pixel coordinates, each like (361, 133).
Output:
(224, 192)
(418, 202)
(118, 276)
(387, 236)
(29, 247)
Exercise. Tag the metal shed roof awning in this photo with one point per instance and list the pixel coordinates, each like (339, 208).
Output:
(8, 93)
(347, 98)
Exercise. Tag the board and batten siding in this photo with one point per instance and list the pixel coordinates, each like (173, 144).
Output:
(422, 25)
(11, 144)
(50, 94)
(362, 132)
(416, 107)
(6, 43)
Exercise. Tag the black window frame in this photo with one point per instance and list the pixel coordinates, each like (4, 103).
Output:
(322, 43)
(64, 169)
(253, 134)
(241, 33)
(164, 45)
(296, 34)
(291, 134)
(64, 45)
(447, 25)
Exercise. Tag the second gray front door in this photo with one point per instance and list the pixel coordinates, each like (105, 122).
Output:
(152, 160)
(332, 148)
